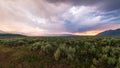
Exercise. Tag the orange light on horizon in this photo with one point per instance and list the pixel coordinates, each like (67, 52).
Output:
(92, 33)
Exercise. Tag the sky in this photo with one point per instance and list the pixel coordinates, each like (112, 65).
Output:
(44, 17)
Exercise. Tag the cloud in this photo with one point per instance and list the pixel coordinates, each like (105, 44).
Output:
(39, 17)
(32, 13)
(107, 5)
(75, 2)
(78, 21)
(110, 5)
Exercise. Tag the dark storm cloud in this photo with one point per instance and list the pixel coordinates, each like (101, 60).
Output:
(98, 20)
(75, 2)
(73, 28)
(107, 5)
(114, 14)
(109, 12)
(110, 5)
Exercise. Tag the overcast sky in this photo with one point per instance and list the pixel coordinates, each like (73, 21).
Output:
(42, 17)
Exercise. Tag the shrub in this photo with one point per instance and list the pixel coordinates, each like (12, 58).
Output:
(64, 52)
(111, 60)
(60, 52)
(92, 66)
(57, 54)
(48, 49)
(35, 46)
(71, 53)
(118, 63)
(13, 42)
(94, 61)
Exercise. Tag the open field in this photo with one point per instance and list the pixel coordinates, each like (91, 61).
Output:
(60, 52)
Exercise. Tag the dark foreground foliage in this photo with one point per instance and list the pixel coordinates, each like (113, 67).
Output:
(60, 52)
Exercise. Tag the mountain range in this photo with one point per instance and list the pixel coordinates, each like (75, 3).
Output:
(115, 32)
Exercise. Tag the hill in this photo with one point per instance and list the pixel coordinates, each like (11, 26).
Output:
(2, 33)
(110, 33)
(8, 34)
(59, 35)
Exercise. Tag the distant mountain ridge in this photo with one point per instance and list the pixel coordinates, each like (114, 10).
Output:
(110, 33)
(59, 35)
(2, 33)
(8, 34)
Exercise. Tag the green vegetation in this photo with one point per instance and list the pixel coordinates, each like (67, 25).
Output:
(60, 52)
